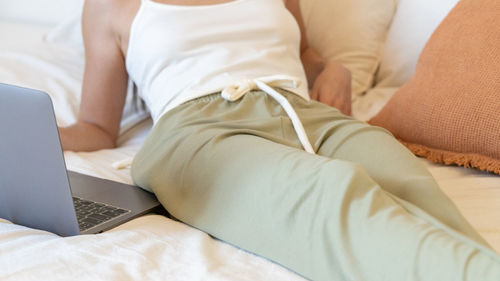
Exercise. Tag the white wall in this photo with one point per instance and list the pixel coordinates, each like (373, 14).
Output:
(46, 12)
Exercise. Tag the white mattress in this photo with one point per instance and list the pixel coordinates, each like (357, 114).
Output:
(154, 247)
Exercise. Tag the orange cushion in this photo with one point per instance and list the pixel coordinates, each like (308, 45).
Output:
(449, 111)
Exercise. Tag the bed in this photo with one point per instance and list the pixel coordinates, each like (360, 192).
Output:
(154, 247)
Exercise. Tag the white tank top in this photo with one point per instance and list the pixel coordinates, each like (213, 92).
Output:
(178, 53)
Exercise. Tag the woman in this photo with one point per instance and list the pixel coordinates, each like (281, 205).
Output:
(240, 151)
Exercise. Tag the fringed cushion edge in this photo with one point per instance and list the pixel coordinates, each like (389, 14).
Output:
(468, 160)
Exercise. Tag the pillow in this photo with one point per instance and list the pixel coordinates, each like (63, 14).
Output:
(366, 106)
(449, 111)
(351, 32)
(68, 34)
(41, 12)
(413, 24)
(26, 60)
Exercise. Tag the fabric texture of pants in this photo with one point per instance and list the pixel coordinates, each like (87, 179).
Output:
(363, 208)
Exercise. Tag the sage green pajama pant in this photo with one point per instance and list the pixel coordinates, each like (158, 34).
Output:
(362, 209)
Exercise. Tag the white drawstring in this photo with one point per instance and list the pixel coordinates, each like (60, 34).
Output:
(235, 91)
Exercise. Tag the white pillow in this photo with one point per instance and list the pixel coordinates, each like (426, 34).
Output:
(27, 60)
(45, 12)
(69, 34)
(54, 65)
(413, 24)
(351, 32)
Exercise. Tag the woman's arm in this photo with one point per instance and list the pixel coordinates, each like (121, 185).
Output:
(311, 59)
(104, 82)
(330, 82)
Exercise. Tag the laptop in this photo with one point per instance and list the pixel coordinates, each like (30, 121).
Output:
(37, 191)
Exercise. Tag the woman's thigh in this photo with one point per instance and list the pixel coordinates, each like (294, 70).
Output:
(387, 161)
(325, 219)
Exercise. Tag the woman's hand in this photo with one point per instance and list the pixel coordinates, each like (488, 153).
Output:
(333, 87)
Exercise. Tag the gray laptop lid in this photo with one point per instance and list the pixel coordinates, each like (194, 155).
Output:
(34, 187)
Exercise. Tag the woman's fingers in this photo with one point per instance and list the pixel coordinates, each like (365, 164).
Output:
(315, 93)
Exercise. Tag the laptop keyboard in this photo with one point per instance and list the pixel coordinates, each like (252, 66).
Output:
(91, 214)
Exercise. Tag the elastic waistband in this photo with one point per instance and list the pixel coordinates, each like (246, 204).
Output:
(272, 86)
(217, 96)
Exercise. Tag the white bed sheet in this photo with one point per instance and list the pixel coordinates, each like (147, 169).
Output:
(154, 247)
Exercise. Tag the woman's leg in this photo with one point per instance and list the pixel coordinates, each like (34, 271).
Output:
(393, 167)
(325, 219)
